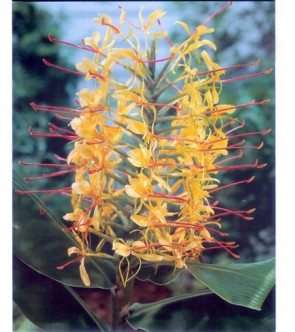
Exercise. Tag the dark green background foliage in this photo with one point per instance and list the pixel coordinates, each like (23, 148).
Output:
(35, 82)
(242, 35)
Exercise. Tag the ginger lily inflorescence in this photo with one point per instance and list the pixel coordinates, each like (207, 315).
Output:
(149, 140)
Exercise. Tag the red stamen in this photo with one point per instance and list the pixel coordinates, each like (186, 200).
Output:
(155, 194)
(76, 227)
(56, 109)
(59, 117)
(77, 102)
(86, 48)
(226, 125)
(50, 175)
(90, 48)
(231, 185)
(246, 76)
(227, 168)
(130, 22)
(92, 171)
(61, 129)
(174, 165)
(235, 146)
(162, 30)
(242, 125)
(67, 137)
(97, 75)
(49, 64)
(111, 26)
(60, 158)
(226, 248)
(216, 13)
(44, 191)
(93, 143)
(174, 87)
(71, 262)
(251, 103)
(237, 213)
(188, 225)
(23, 163)
(231, 158)
(255, 63)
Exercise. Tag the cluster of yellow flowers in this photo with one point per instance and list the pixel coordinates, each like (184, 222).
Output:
(147, 150)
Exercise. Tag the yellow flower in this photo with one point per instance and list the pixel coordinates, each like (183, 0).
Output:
(139, 187)
(87, 66)
(140, 157)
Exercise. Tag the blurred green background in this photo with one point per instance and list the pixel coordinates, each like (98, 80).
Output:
(243, 33)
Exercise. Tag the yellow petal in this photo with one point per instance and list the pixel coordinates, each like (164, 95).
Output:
(228, 108)
(150, 257)
(159, 35)
(154, 16)
(185, 26)
(103, 18)
(80, 187)
(141, 221)
(121, 249)
(74, 250)
(131, 192)
(202, 30)
(84, 274)
(137, 127)
(207, 43)
(206, 235)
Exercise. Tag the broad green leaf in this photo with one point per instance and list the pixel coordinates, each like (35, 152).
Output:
(158, 274)
(21, 323)
(50, 305)
(142, 316)
(203, 313)
(40, 242)
(241, 284)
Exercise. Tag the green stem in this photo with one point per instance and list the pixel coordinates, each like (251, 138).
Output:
(120, 303)
(101, 235)
(168, 130)
(116, 225)
(161, 76)
(116, 177)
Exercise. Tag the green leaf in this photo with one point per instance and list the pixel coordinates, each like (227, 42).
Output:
(142, 316)
(21, 323)
(50, 305)
(40, 242)
(158, 274)
(241, 284)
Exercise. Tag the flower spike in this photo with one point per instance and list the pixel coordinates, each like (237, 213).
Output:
(145, 168)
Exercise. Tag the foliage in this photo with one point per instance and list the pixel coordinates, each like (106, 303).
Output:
(30, 44)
